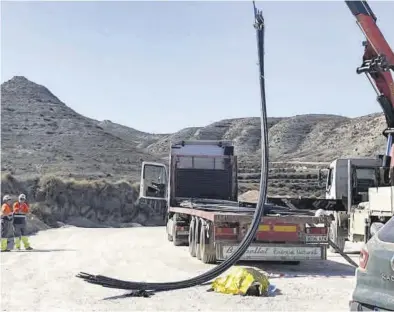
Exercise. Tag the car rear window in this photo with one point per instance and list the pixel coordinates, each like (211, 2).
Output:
(386, 233)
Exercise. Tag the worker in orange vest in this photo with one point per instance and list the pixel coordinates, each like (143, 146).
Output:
(7, 231)
(21, 209)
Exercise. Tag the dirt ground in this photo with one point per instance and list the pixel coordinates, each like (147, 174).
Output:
(44, 280)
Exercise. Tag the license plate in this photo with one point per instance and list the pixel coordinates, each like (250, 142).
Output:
(316, 238)
(275, 253)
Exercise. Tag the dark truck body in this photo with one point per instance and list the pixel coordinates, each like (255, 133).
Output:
(203, 210)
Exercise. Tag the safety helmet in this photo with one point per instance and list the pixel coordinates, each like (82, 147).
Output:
(22, 197)
(6, 198)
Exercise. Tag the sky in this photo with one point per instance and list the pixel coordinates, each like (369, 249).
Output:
(163, 66)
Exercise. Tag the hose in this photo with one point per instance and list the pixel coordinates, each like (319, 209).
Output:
(258, 214)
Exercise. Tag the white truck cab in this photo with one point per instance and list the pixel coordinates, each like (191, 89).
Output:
(338, 175)
(366, 200)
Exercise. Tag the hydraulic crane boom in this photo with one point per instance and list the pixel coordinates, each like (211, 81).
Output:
(378, 60)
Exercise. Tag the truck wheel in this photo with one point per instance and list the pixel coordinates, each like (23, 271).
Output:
(197, 230)
(207, 249)
(176, 241)
(334, 237)
(192, 241)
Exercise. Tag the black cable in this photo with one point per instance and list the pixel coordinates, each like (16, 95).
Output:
(258, 214)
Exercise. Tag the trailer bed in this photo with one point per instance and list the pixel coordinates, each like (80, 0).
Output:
(229, 211)
(243, 216)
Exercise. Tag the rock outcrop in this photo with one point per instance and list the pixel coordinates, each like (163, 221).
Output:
(80, 202)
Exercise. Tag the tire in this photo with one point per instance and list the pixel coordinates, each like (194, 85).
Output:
(176, 241)
(192, 244)
(207, 250)
(333, 236)
(197, 230)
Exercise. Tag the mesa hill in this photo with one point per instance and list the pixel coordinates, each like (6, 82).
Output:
(72, 166)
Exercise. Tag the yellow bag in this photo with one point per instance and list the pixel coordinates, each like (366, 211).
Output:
(242, 281)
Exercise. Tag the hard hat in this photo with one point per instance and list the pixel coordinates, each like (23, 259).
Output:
(22, 197)
(6, 197)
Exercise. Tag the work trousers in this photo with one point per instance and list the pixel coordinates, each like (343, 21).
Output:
(7, 234)
(20, 232)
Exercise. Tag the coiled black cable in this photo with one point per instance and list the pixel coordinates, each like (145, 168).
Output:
(258, 214)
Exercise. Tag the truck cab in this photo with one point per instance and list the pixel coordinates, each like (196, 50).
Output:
(361, 173)
(198, 169)
(356, 182)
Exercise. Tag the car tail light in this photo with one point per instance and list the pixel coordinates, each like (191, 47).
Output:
(363, 260)
(316, 230)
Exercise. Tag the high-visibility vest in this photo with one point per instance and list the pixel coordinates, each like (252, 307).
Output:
(20, 210)
(6, 210)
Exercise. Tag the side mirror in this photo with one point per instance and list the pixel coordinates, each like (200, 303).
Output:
(375, 227)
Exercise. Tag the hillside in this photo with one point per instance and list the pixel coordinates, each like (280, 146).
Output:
(309, 138)
(42, 135)
(138, 138)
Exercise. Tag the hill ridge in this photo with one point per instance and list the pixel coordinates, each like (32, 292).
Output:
(58, 140)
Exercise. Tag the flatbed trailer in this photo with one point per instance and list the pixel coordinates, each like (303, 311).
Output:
(214, 235)
(203, 211)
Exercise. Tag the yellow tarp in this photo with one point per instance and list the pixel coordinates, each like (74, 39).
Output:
(239, 280)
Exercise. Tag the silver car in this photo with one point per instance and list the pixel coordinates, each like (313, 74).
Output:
(374, 289)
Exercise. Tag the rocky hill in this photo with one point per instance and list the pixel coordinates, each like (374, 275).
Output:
(43, 140)
(41, 135)
(309, 138)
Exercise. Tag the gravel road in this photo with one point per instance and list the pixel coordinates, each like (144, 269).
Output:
(43, 280)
